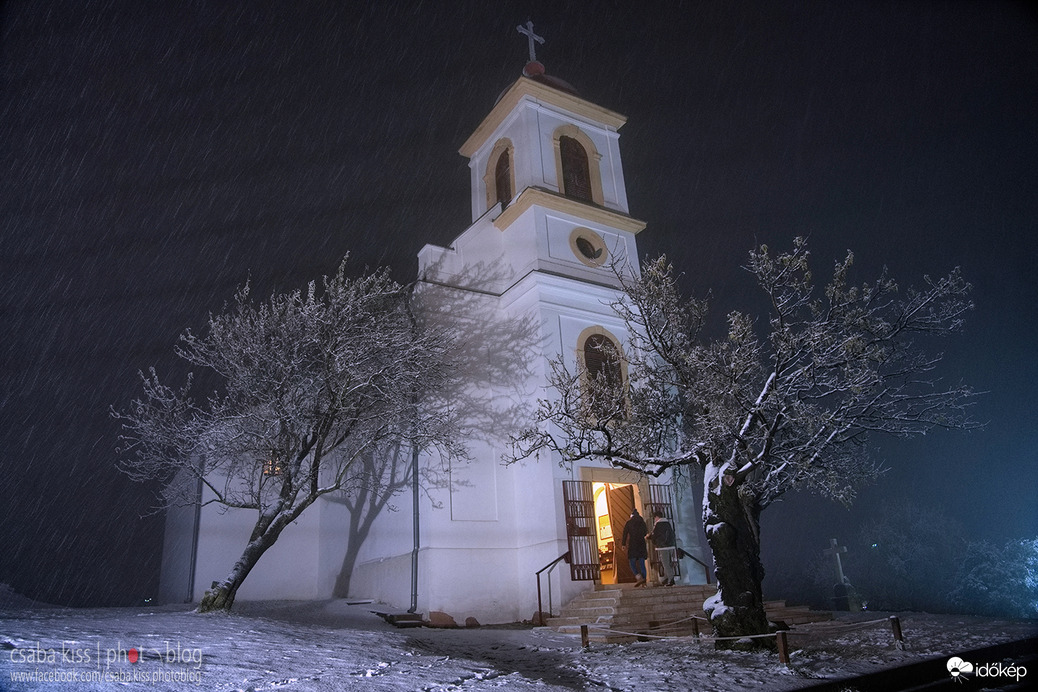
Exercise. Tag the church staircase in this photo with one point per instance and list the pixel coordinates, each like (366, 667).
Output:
(622, 613)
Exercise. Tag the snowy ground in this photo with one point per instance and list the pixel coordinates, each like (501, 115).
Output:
(332, 645)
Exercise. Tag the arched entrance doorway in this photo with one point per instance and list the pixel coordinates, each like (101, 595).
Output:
(614, 503)
(596, 509)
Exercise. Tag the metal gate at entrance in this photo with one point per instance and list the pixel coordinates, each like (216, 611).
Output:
(660, 501)
(581, 534)
(582, 528)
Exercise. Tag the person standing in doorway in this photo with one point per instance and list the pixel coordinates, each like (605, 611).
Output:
(633, 544)
(663, 538)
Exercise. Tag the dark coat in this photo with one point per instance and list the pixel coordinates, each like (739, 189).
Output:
(634, 537)
(663, 533)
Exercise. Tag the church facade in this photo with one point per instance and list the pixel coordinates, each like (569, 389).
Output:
(530, 279)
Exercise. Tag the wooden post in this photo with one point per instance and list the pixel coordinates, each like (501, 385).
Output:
(584, 643)
(895, 625)
(695, 627)
(783, 646)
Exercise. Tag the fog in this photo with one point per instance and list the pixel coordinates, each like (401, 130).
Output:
(154, 158)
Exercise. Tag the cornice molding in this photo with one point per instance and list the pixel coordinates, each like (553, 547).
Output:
(525, 86)
(533, 196)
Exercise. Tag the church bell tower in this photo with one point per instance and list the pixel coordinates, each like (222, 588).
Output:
(530, 280)
(546, 175)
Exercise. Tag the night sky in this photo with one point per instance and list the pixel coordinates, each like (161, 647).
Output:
(155, 155)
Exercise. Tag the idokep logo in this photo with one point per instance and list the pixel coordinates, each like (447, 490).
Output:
(957, 667)
(961, 670)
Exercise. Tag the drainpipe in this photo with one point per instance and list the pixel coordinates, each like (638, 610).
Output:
(414, 463)
(417, 537)
(194, 543)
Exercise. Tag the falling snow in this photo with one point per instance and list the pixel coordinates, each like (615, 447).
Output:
(155, 155)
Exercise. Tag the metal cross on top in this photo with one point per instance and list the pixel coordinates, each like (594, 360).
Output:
(527, 29)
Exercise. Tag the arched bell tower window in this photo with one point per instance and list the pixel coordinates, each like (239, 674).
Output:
(499, 177)
(602, 359)
(577, 164)
(576, 174)
(503, 178)
(603, 373)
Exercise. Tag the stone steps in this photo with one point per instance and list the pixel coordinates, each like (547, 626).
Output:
(626, 609)
(627, 614)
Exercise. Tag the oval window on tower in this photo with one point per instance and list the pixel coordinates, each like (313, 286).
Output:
(588, 247)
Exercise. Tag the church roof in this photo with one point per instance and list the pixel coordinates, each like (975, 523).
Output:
(536, 83)
(535, 71)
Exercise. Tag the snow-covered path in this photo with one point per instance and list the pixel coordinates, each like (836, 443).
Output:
(331, 645)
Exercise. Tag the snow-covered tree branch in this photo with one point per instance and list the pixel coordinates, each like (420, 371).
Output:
(785, 402)
(311, 384)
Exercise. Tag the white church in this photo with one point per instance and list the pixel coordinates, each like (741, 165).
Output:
(549, 213)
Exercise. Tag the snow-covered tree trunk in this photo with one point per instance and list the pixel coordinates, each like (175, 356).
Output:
(732, 523)
(309, 385)
(264, 535)
(783, 403)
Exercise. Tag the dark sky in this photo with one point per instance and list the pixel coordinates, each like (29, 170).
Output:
(155, 155)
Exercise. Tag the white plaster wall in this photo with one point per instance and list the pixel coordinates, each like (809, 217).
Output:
(530, 128)
(613, 186)
(483, 539)
(482, 545)
(467, 561)
(485, 258)
(689, 527)
(468, 259)
(177, 544)
(472, 515)
(295, 567)
(332, 536)
(549, 119)
(546, 247)
(387, 580)
(556, 229)
(517, 128)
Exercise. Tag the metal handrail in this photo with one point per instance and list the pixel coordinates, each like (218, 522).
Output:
(706, 568)
(550, 566)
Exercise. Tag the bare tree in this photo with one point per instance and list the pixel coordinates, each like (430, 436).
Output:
(310, 385)
(761, 415)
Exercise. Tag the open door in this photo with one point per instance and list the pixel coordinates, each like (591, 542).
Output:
(621, 503)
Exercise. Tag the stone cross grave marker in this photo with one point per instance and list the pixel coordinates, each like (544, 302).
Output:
(835, 549)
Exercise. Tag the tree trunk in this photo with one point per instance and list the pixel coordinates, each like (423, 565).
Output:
(221, 596)
(732, 530)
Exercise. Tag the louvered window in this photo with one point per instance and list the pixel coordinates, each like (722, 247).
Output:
(601, 358)
(576, 176)
(503, 178)
(602, 361)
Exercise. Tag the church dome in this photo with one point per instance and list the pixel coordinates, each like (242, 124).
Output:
(535, 70)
